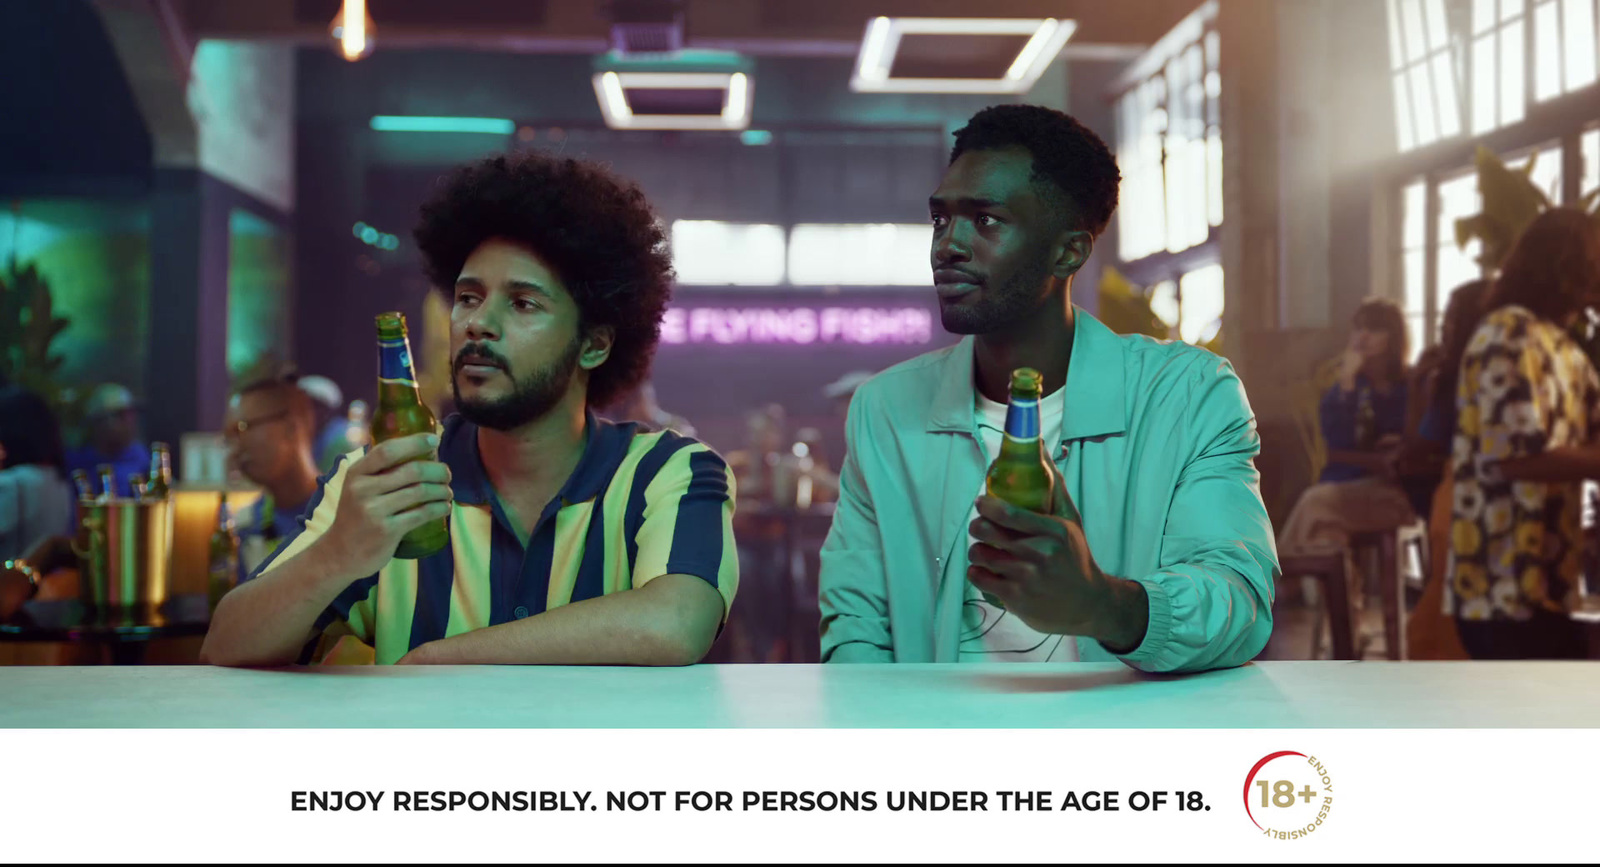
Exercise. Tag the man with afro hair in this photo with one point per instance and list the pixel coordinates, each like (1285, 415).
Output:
(573, 540)
(1155, 549)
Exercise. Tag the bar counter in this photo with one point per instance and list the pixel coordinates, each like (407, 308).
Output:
(1072, 695)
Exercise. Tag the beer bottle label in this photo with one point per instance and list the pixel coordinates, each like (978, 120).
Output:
(394, 362)
(1022, 419)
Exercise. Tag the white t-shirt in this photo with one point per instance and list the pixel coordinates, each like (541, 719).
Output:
(988, 633)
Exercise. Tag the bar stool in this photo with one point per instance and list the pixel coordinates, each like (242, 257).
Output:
(1392, 581)
(1332, 573)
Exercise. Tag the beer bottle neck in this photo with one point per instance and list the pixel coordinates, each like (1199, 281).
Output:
(1022, 421)
(397, 379)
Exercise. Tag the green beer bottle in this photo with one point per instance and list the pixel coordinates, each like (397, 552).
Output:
(401, 412)
(159, 485)
(223, 571)
(1020, 474)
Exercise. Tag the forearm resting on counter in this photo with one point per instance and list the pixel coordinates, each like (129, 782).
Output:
(266, 621)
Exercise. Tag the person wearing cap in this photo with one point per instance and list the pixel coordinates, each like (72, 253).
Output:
(111, 436)
(332, 426)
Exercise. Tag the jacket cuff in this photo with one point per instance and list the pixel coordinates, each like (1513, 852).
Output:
(1158, 633)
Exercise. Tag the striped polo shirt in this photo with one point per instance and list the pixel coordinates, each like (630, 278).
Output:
(639, 505)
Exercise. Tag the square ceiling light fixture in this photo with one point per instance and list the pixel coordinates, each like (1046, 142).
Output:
(674, 100)
(957, 55)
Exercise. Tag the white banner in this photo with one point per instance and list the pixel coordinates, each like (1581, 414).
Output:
(676, 795)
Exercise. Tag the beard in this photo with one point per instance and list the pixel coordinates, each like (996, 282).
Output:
(1001, 306)
(530, 397)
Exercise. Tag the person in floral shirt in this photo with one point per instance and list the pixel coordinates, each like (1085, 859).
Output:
(1527, 434)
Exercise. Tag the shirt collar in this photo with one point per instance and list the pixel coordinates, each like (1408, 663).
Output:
(605, 445)
(1096, 384)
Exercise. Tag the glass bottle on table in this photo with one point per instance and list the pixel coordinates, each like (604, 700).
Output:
(108, 482)
(158, 485)
(80, 482)
(1020, 473)
(224, 567)
(400, 413)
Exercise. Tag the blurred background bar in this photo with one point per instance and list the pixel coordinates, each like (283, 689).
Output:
(195, 194)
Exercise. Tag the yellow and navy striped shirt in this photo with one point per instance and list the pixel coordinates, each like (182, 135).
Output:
(639, 505)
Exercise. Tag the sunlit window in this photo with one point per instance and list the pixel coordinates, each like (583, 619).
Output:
(860, 255)
(1499, 65)
(714, 253)
(1427, 99)
(1169, 143)
(1413, 258)
(1589, 145)
(1457, 197)
(1200, 300)
(1564, 46)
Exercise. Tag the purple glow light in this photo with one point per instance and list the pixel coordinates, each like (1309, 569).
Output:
(798, 325)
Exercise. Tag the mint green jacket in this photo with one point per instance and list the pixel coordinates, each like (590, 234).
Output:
(1156, 450)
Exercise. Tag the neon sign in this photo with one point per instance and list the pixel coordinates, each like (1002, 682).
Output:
(797, 325)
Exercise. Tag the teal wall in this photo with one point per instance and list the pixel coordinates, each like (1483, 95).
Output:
(96, 257)
(258, 291)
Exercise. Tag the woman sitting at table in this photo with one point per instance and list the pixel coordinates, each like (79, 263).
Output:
(1362, 417)
(1527, 435)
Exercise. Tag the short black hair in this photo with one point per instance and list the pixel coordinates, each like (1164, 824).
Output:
(1068, 156)
(594, 228)
(29, 432)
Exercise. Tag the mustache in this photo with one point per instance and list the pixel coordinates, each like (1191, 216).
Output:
(478, 353)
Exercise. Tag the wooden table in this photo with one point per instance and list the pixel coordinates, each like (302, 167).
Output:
(1087, 695)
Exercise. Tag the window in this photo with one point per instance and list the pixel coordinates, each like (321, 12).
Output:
(1423, 69)
(1191, 306)
(1589, 146)
(1499, 87)
(1413, 255)
(1457, 198)
(860, 255)
(1564, 46)
(714, 253)
(1200, 300)
(1490, 59)
(1141, 122)
(1169, 142)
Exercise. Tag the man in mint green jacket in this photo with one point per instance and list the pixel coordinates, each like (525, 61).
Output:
(1158, 550)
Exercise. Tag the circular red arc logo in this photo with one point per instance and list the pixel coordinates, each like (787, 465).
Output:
(1252, 777)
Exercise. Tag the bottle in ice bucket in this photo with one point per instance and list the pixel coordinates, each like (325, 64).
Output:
(159, 484)
(1020, 474)
(401, 412)
(224, 571)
